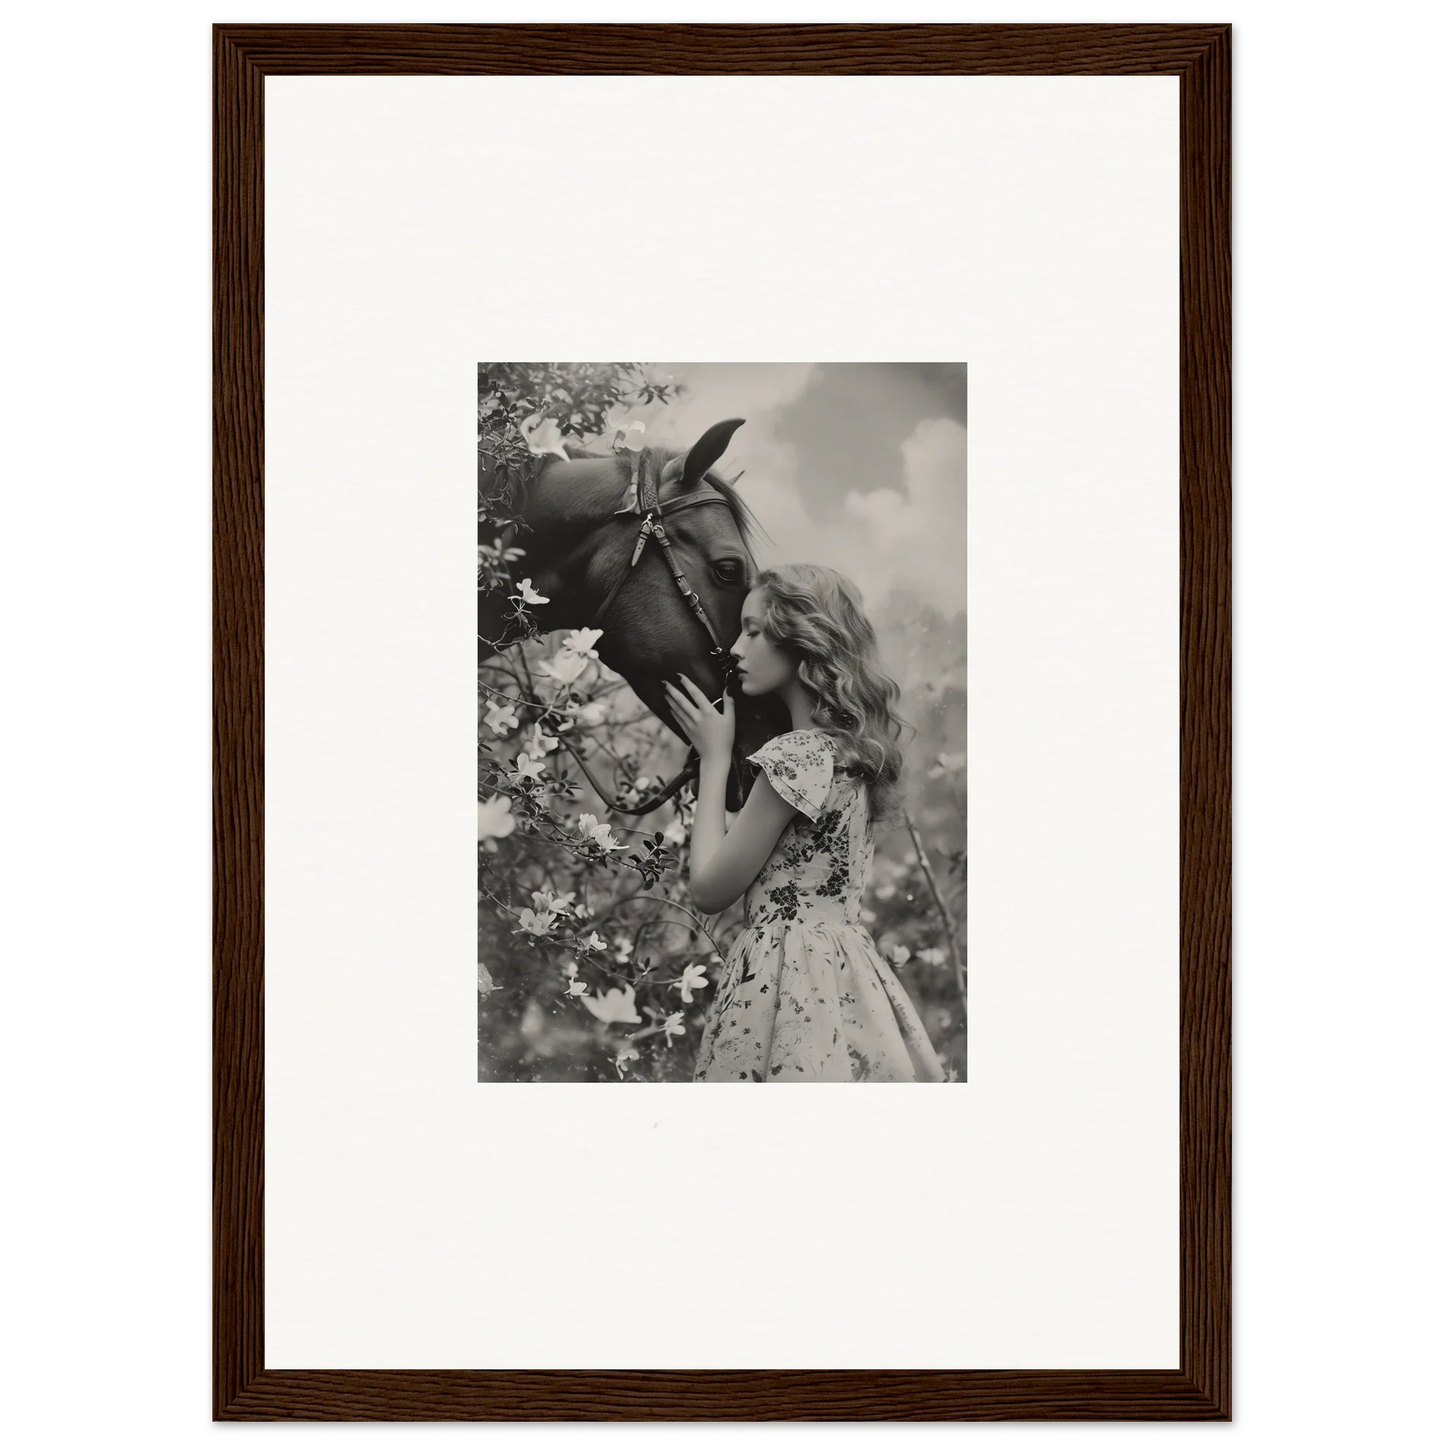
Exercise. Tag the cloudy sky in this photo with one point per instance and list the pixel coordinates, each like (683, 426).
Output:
(858, 466)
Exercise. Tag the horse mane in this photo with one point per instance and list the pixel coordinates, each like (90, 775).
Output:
(749, 528)
(743, 517)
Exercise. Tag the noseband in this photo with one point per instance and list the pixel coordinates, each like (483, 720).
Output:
(642, 500)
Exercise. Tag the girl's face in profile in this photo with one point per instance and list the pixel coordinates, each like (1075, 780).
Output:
(762, 668)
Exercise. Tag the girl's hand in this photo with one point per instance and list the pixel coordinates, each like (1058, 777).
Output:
(708, 730)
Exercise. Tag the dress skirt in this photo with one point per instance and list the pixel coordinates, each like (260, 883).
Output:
(812, 1001)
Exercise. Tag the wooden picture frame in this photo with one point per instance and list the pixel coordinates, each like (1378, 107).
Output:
(1200, 56)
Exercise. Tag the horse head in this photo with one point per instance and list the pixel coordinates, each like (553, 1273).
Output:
(585, 516)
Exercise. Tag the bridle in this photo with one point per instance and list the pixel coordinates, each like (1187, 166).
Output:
(642, 500)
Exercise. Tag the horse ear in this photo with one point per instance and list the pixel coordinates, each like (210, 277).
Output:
(706, 450)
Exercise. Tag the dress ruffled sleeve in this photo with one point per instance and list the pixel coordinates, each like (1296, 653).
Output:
(799, 765)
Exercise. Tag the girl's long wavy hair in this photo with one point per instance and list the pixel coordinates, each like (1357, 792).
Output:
(815, 616)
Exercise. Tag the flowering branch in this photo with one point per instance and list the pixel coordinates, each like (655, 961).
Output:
(960, 966)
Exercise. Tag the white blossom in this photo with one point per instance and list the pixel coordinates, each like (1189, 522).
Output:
(543, 436)
(501, 717)
(693, 976)
(494, 818)
(616, 1006)
(602, 837)
(537, 924)
(528, 769)
(591, 714)
(598, 833)
(527, 593)
(582, 641)
(565, 668)
(629, 438)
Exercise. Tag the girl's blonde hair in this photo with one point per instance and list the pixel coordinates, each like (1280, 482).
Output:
(815, 616)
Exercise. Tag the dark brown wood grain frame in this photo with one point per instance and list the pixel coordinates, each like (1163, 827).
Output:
(1200, 56)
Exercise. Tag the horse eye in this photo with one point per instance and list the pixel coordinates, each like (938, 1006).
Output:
(728, 570)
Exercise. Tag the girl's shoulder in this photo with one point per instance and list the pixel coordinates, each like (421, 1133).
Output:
(802, 745)
(799, 765)
(803, 737)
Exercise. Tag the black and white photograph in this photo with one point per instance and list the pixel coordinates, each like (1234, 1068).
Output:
(722, 761)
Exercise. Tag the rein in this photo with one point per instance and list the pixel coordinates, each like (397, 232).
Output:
(656, 800)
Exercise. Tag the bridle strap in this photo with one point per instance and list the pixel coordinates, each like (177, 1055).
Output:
(642, 497)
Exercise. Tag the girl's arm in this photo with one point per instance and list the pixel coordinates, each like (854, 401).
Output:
(724, 861)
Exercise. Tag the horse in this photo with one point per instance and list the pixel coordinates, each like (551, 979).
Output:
(666, 609)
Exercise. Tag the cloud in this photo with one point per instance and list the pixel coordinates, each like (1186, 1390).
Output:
(914, 539)
(717, 391)
(920, 536)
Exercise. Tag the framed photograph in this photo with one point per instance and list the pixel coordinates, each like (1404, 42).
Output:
(823, 940)
(851, 619)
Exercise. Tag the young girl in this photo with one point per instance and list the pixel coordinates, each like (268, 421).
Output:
(804, 994)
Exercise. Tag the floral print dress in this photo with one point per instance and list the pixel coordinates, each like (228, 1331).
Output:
(804, 994)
